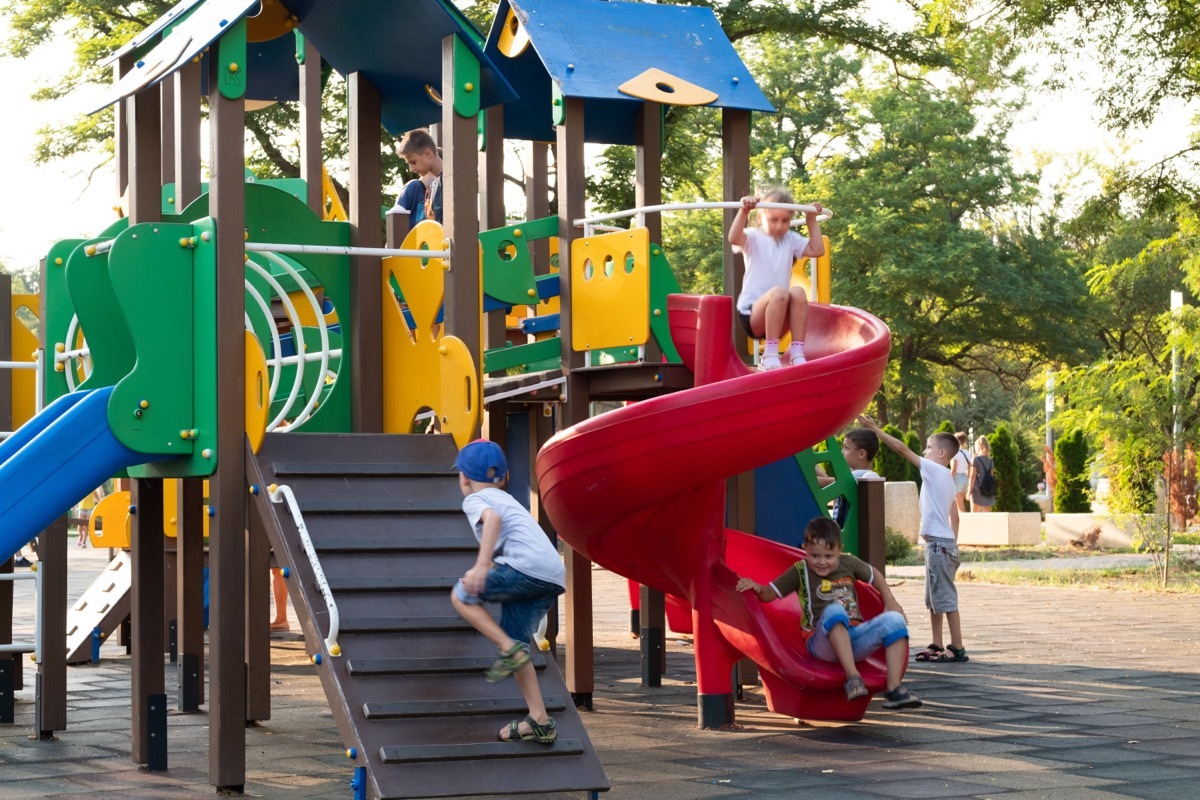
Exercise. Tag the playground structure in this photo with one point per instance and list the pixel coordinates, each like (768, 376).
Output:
(244, 337)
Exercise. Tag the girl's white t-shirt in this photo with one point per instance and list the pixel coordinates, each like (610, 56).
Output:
(768, 264)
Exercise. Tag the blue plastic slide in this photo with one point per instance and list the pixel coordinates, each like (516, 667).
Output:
(55, 459)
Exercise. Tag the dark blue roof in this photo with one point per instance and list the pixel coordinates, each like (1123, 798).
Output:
(591, 47)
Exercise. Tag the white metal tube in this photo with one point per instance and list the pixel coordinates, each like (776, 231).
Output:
(294, 316)
(525, 390)
(252, 290)
(281, 494)
(641, 211)
(338, 250)
(18, 365)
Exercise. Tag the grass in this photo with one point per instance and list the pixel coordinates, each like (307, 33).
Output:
(1184, 578)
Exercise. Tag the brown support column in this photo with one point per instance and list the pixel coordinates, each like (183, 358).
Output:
(460, 192)
(187, 136)
(227, 487)
(258, 621)
(167, 131)
(120, 132)
(366, 230)
(190, 592)
(491, 202)
(6, 352)
(310, 128)
(872, 544)
(146, 606)
(581, 680)
(146, 611)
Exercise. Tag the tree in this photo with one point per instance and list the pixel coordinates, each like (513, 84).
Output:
(1009, 493)
(930, 236)
(1071, 456)
(890, 465)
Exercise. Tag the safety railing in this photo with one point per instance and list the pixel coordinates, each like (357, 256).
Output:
(35, 646)
(283, 494)
(590, 224)
(36, 366)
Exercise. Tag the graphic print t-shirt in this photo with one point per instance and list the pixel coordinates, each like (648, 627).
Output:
(816, 593)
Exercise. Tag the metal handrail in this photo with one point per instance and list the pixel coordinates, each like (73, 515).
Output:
(34, 575)
(281, 494)
(590, 223)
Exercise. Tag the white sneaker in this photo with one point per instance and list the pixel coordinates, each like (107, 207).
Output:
(796, 356)
(767, 363)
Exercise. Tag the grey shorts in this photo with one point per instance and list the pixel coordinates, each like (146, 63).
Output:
(941, 564)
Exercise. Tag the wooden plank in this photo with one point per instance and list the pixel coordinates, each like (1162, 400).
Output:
(394, 583)
(366, 198)
(146, 607)
(377, 507)
(403, 625)
(393, 545)
(432, 709)
(320, 468)
(482, 751)
(428, 666)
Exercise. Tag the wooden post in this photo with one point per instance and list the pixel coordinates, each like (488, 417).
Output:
(146, 604)
(460, 210)
(872, 543)
(187, 136)
(311, 157)
(258, 622)
(366, 230)
(491, 202)
(227, 487)
(190, 591)
(581, 676)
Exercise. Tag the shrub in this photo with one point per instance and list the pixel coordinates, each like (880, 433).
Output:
(945, 427)
(896, 547)
(1133, 467)
(1008, 476)
(914, 442)
(1071, 455)
(890, 465)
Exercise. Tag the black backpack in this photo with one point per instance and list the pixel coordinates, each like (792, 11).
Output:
(985, 480)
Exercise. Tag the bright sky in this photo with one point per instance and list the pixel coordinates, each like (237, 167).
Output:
(45, 204)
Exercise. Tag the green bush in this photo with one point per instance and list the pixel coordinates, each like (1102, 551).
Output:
(914, 442)
(946, 427)
(896, 548)
(1132, 468)
(1008, 477)
(1071, 491)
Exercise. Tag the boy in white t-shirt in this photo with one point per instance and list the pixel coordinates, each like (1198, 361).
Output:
(939, 531)
(768, 304)
(519, 567)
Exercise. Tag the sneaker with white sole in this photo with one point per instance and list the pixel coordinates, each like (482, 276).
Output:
(900, 698)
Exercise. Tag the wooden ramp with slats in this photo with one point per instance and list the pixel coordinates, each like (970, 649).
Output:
(384, 513)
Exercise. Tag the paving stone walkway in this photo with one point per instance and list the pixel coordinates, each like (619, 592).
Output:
(1069, 695)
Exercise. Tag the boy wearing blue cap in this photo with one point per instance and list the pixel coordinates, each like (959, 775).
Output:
(517, 566)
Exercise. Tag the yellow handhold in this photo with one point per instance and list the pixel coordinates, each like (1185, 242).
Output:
(657, 86)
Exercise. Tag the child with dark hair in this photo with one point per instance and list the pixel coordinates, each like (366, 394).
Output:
(422, 196)
(833, 623)
(859, 447)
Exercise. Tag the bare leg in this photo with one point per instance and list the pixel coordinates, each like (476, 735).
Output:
(797, 311)
(895, 654)
(955, 623)
(279, 592)
(839, 640)
(935, 623)
(961, 499)
(526, 678)
(771, 313)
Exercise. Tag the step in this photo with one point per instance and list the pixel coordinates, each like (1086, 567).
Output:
(391, 544)
(405, 709)
(359, 469)
(405, 625)
(378, 507)
(427, 666)
(392, 583)
(483, 750)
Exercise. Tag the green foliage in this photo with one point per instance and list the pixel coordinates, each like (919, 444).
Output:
(1008, 478)
(1071, 492)
(1029, 469)
(914, 442)
(946, 427)
(1133, 469)
(896, 547)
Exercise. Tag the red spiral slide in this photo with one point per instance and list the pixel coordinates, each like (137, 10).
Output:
(641, 492)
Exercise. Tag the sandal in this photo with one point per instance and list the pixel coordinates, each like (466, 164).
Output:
(952, 653)
(855, 688)
(542, 733)
(931, 653)
(508, 663)
(901, 698)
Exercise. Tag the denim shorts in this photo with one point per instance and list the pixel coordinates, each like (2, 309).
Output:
(960, 483)
(865, 638)
(941, 564)
(523, 600)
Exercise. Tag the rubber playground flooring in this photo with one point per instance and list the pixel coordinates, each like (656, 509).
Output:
(1069, 694)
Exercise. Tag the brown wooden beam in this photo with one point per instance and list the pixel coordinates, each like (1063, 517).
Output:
(366, 230)
(311, 155)
(227, 487)
(491, 201)
(187, 136)
(190, 591)
(258, 621)
(146, 612)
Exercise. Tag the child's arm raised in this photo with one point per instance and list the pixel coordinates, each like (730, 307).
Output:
(737, 228)
(891, 441)
(816, 243)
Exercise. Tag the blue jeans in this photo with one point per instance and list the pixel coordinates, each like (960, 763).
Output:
(865, 638)
(523, 600)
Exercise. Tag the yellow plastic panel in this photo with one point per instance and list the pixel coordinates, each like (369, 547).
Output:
(258, 400)
(423, 369)
(272, 20)
(513, 37)
(171, 507)
(112, 514)
(331, 205)
(657, 86)
(24, 343)
(610, 290)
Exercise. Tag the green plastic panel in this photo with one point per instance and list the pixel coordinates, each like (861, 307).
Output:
(507, 263)
(662, 283)
(154, 286)
(231, 55)
(844, 486)
(296, 187)
(90, 285)
(467, 88)
(506, 358)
